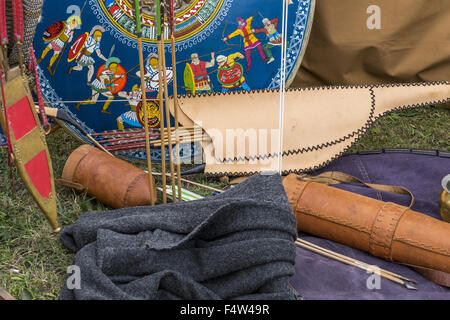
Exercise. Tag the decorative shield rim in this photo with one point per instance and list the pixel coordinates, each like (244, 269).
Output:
(139, 107)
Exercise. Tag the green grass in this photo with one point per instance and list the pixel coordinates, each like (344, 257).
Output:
(32, 260)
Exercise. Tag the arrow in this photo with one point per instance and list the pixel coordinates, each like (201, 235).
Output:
(144, 100)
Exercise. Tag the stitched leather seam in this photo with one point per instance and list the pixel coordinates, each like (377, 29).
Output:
(373, 231)
(359, 133)
(343, 222)
(77, 166)
(301, 194)
(423, 246)
(391, 215)
(394, 224)
(293, 198)
(437, 153)
(131, 186)
(338, 155)
(395, 230)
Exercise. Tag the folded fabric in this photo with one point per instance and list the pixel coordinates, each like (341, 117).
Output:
(237, 245)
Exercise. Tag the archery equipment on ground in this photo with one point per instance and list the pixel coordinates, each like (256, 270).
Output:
(175, 94)
(112, 181)
(383, 229)
(144, 100)
(406, 282)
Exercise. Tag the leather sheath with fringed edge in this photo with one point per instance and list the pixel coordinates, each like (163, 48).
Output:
(112, 181)
(383, 229)
(320, 123)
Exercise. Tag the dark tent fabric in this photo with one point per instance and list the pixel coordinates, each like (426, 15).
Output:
(377, 42)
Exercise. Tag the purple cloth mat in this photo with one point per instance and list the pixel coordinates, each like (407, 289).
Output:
(317, 277)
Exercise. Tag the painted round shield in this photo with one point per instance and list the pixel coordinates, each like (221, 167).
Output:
(77, 46)
(54, 31)
(200, 28)
(117, 79)
(153, 114)
(153, 80)
(230, 76)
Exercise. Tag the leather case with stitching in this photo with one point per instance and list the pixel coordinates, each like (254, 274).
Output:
(320, 123)
(112, 181)
(383, 229)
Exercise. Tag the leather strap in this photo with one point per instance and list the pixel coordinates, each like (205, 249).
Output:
(439, 277)
(336, 177)
(70, 184)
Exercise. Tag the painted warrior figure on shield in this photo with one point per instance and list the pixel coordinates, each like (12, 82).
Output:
(152, 74)
(274, 37)
(151, 70)
(230, 73)
(105, 84)
(197, 70)
(250, 41)
(135, 116)
(130, 117)
(84, 57)
(58, 35)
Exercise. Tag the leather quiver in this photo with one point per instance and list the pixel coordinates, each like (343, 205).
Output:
(112, 181)
(383, 229)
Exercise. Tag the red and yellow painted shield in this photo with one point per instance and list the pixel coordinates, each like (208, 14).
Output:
(116, 84)
(77, 46)
(54, 31)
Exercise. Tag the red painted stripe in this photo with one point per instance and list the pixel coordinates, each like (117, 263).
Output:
(3, 27)
(39, 173)
(21, 118)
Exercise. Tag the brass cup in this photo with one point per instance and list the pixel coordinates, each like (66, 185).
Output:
(444, 199)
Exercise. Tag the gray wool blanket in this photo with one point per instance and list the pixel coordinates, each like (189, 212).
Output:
(236, 245)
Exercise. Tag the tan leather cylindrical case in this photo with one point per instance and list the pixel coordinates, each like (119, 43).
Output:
(112, 181)
(384, 229)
